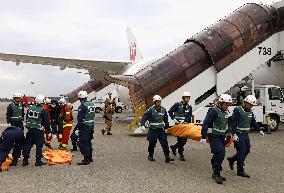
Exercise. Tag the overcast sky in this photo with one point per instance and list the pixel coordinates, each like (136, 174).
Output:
(94, 29)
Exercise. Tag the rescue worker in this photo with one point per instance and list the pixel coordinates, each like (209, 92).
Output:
(54, 122)
(67, 126)
(242, 120)
(158, 121)
(109, 111)
(12, 138)
(37, 121)
(85, 127)
(62, 103)
(180, 113)
(46, 106)
(214, 127)
(15, 112)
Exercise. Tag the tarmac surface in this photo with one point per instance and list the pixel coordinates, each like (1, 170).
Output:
(121, 165)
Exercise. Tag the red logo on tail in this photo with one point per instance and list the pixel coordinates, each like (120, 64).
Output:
(132, 52)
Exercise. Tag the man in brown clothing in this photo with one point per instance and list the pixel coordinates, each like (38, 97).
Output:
(109, 111)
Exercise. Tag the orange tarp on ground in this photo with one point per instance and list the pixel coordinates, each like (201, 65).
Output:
(6, 164)
(189, 131)
(57, 156)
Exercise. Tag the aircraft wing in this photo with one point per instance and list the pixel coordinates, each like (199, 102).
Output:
(97, 69)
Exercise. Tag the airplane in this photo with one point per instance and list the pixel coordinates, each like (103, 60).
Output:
(97, 70)
(217, 61)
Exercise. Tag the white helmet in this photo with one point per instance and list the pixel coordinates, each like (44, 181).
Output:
(244, 88)
(82, 94)
(250, 99)
(39, 99)
(186, 94)
(157, 98)
(47, 100)
(17, 95)
(62, 101)
(225, 98)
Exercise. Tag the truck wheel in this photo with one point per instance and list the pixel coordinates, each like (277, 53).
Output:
(97, 109)
(118, 110)
(273, 123)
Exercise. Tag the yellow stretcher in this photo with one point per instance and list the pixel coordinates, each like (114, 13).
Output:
(58, 157)
(191, 131)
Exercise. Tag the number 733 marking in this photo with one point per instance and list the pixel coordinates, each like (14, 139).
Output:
(264, 51)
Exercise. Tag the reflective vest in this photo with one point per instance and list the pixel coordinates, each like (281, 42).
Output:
(34, 119)
(68, 117)
(157, 118)
(17, 112)
(182, 113)
(90, 114)
(220, 124)
(244, 120)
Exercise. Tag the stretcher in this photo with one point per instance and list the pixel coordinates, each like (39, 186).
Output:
(54, 157)
(193, 132)
(5, 165)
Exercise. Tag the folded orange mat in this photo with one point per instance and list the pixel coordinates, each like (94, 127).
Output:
(58, 157)
(5, 165)
(191, 131)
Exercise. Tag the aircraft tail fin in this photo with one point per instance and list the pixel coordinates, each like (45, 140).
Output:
(134, 51)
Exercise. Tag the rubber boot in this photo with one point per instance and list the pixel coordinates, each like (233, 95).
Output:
(150, 158)
(39, 162)
(74, 148)
(14, 162)
(109, 133)
(85, 161)
(62, 146)
(26, 161)
(168, 159)
(241, 172)
(48, 145)
(217, 177)
(174, 150)
(231, 161)
(181, 157)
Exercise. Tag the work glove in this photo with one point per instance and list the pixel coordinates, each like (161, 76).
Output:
(49, 135)
(77, 132)
(176, 121)
(202, 141)
(262, 133)
(235, 137)
(60, 136)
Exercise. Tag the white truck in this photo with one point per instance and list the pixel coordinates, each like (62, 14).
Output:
(268, 113)
(100, 105)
